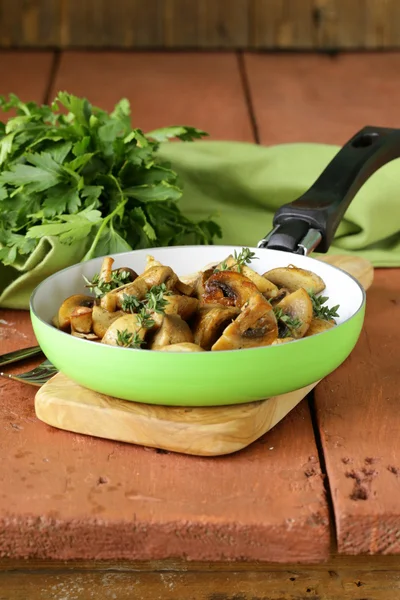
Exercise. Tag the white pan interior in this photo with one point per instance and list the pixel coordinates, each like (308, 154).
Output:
(341, 288)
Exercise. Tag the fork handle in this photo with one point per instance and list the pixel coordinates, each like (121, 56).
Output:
(17, 355)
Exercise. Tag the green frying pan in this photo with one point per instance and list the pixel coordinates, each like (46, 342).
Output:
(236, 376)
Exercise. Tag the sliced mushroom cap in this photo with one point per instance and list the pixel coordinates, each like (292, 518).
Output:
(318, 326)
(184, 306)
(298, 306)
(292, 278)
(69, 305)
(81, 319)
(173, 330)
(159, 275)
(200, 283)
(210, 323)
(263, 285)
(102, 319)
(183, 347)
(229, 289)
(113, 300)
(128, 323)
(184, 288)
(151, 262)
(86, 336)
(255, 326)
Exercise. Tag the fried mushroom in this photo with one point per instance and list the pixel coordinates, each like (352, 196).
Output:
(210, 322)
(292, 278)
(255, 326)
(229, 289)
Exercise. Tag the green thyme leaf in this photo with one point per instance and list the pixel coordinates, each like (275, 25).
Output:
(319, 310)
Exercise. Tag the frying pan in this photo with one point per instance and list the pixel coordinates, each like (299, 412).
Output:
(237, 376)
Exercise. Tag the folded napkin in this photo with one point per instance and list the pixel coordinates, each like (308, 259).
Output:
(242, 185)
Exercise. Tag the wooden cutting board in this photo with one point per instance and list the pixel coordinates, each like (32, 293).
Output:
(208, 431)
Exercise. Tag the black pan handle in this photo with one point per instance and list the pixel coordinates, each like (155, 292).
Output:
(318, 212)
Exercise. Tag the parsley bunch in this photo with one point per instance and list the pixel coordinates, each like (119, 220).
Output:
(79, 173)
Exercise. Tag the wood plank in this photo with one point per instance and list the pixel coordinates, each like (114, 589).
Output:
(289, 584)
(29, 24)
(204, 90)
(66, 496)
(25, 74)
(311, 98)
(359, 420)
(262, 24)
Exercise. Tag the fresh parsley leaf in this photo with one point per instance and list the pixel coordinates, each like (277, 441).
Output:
(87, 173)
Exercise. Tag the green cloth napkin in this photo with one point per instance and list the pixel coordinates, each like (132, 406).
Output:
(243, 185)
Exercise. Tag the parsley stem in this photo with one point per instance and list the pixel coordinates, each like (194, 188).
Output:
(102, 227)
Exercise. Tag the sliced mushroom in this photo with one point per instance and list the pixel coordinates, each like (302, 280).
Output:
(263, 285)
(128, 323)
(255, 326)
(113, 300)
(102, 319)
(81, 319)
(200, 283)
(183, 347)
(318, 326)
(86, 336)
(173, 330)
(105, 271)
(283, 341)
(159, 275)
(69, 305)
(210, 322)
(184, 306)
(151, 262)
(292, 278)
(229, 289)
(184, 288)
(298, 307)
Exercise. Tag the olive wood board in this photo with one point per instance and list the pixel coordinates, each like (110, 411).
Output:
(203, 431)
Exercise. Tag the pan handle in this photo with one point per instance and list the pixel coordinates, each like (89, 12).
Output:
(310, 222)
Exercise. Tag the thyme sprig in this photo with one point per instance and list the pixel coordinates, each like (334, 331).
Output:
(290, 323)
(129, 340)
(319, 310)
(241, 259)
(99, 287)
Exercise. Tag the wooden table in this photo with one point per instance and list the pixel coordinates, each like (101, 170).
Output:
(312, 510)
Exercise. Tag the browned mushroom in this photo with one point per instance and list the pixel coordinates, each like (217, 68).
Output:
(292, 278)
(173, 330)
(318, 326)
(298, 307)
(102, 319)
(184, 306)
(105, 271)
(113, 300)
(283, 340)
(69, 305)
(263, 285)
(210, 322)
(183, 347)
(229, 289)
(158, 275)
(81, 319)
(255, 326)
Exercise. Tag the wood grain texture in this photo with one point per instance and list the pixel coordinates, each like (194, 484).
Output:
(291, 583)
(311, 98)
(359, 421)
(67, 496)
(208, 431)
(235, 24)
(204, 90)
